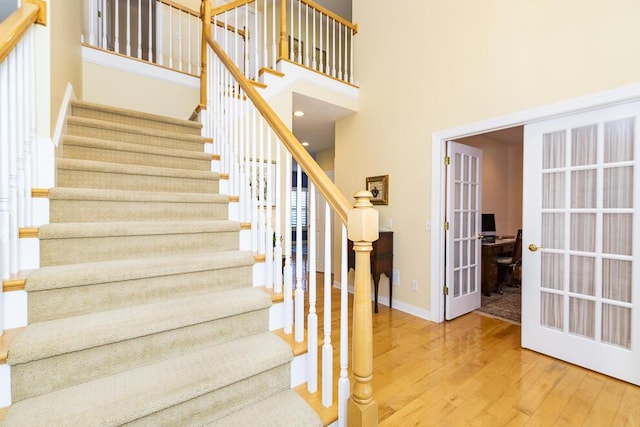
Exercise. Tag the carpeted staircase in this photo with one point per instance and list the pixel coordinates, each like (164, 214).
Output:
(143, 310)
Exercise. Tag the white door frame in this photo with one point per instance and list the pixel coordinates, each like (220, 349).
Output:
(438, 152)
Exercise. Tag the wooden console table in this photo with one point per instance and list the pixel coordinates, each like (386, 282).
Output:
(490, 254)
(381, 262)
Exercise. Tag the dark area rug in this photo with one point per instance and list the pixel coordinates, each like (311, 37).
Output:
(506, 306)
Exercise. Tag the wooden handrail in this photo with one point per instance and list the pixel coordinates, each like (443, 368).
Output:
(238, 3)
(328, 189)
(16, 25)
(180, 7)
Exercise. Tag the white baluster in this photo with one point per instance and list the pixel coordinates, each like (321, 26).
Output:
(269, 234)
(160, 39)
(314, 63)
(278, 249)
(328, 51)
(91, 20)
(5, 108)
(321, 67)
(265, 42)
(306, 35)
(13, 164)
(333, 49)
(150, 33)
(139, 29)
(299, 58)
(339, 52)
(103, 24)
(312, 335)
(344, 387)
(351, 57)
(346, 53)
(260, 188)
(256, 48)
(30, 126)
(254, 182)
(128, 28)
(116, 18)
(247, 43)
(170, 36)
(20, 126)
(299, 295)
(189, 46)
(288, 273)
(327, 347)
(179, 39)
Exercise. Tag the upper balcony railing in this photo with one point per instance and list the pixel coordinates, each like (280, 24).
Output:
(256, 34)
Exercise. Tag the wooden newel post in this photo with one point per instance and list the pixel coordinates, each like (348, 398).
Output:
(362, 409)
(205, 15)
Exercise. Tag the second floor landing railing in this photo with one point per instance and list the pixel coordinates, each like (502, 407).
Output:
(255, 34)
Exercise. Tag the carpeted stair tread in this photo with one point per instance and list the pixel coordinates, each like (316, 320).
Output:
(122, 115)
(286, 408)
(125, 228)
(72, 193)
(108, 167)
(47, 339)
(130, 395)
(74, 275)
(133, 130)
(124, 148)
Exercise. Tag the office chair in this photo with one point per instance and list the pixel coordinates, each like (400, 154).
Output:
(508, 265)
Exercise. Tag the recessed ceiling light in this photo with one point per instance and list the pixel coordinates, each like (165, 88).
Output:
(305, 144)
(298, 113)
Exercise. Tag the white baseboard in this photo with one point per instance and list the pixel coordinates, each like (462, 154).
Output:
(397, 305)
(64, 111)
(276, 316)
(29, 253)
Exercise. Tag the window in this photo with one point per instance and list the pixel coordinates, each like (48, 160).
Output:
(303, 205)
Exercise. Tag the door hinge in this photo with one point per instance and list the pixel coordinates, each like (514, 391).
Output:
(445, 291)
(446, 225)
(99, 14)
(447, 160)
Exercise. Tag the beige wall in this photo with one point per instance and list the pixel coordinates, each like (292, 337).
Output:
(325, 158)
(501, 181)
(120, 88)
(452, 63)
(65, 23)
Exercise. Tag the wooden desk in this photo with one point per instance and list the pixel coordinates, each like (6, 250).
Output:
(490, 254)
(381, 262)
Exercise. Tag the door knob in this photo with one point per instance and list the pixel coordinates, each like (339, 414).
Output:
(533, 247)
(480, 236)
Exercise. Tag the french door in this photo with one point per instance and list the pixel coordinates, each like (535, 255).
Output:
(581, 278)
(464, 190)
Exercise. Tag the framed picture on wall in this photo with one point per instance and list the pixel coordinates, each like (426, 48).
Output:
(378, 186)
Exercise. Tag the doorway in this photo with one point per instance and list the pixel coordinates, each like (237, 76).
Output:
(502, 197)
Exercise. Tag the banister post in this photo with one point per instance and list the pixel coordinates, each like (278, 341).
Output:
(284, 44)
(205, 15)
(362, 409)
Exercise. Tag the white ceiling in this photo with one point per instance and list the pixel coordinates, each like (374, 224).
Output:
(317, 126)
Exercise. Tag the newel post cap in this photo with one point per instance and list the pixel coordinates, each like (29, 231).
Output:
(362, 221)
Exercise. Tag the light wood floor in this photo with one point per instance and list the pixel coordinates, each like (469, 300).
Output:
(472, 371)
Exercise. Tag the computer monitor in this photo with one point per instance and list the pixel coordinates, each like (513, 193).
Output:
(488, 224)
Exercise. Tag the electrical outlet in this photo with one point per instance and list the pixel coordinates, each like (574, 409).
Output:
(389, 223)
(395, 280)
(414, 285)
